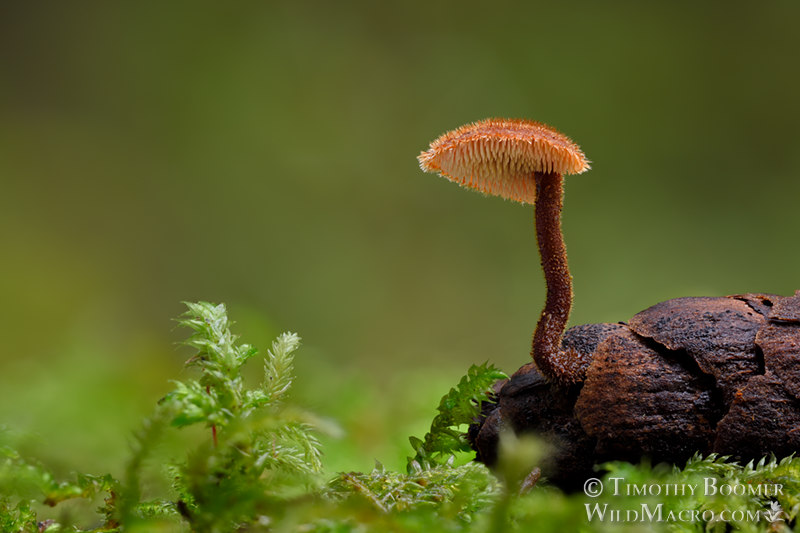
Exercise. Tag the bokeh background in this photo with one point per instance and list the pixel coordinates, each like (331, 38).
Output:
(262, 154)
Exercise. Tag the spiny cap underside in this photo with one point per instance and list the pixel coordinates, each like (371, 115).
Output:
(499, 156)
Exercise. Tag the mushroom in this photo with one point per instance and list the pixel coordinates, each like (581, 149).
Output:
(523, 161)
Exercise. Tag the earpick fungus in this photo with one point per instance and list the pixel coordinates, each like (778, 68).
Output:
(709, 375)
(523, 161)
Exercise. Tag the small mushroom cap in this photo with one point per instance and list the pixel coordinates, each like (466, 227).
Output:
(499, 156)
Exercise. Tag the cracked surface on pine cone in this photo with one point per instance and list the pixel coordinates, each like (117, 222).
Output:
(683, 376)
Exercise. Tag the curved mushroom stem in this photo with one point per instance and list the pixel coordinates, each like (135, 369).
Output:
(553, 362)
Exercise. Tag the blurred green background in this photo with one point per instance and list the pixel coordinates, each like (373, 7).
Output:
(262, 154)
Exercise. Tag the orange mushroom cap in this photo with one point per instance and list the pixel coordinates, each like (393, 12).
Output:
(500, 156)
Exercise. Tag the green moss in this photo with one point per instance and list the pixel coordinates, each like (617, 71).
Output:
(257, 466)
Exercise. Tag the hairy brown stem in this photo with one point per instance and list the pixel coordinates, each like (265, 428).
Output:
(554, 363)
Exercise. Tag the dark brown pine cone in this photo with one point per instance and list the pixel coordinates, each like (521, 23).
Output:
(686, 375)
